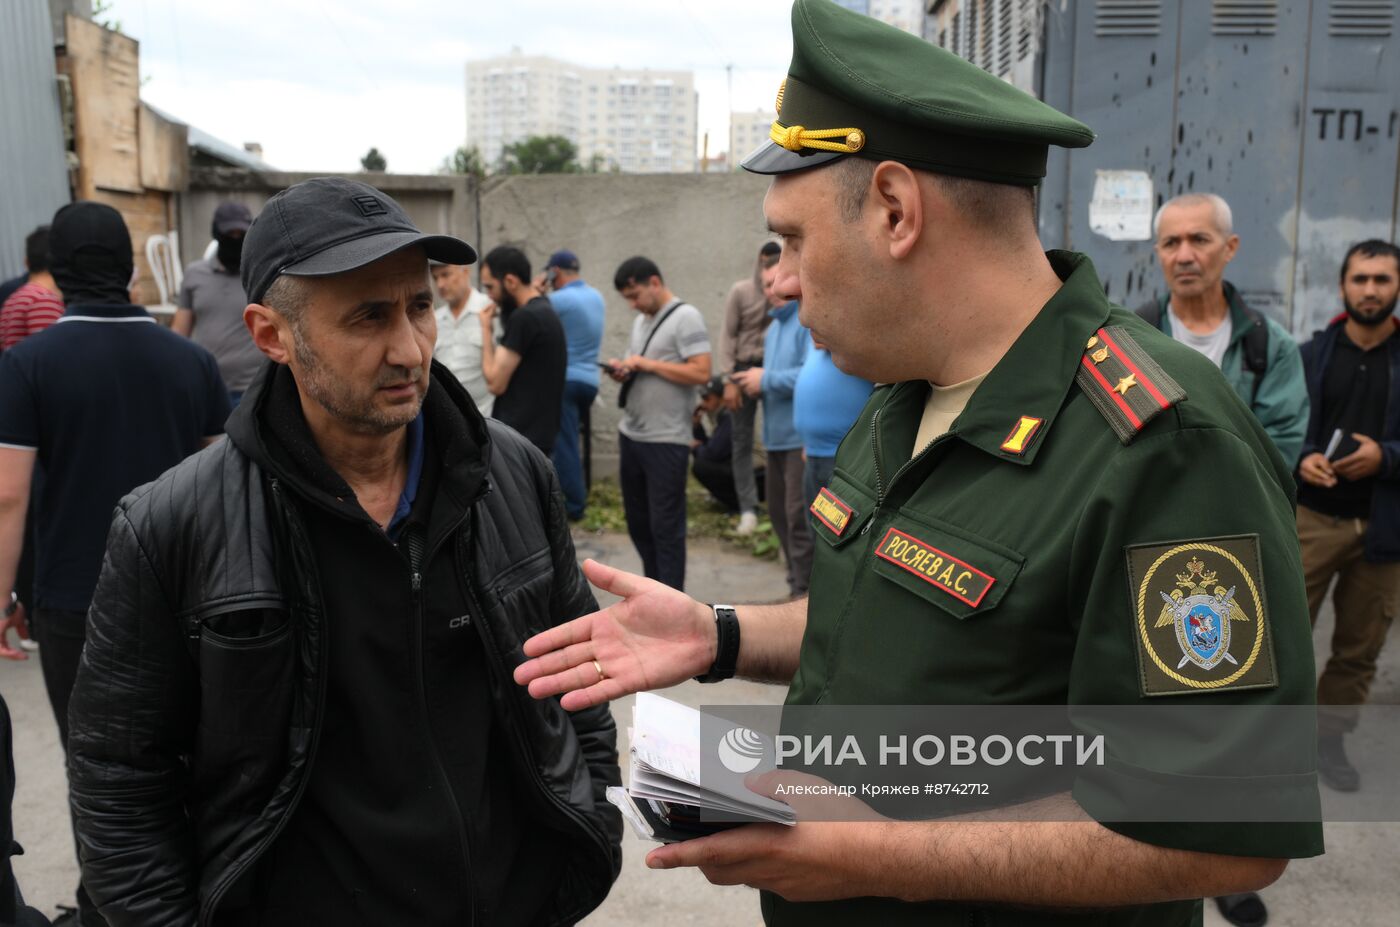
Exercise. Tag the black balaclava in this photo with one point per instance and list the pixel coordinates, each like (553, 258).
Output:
(90, 254)
(230, 251)
(231, 221)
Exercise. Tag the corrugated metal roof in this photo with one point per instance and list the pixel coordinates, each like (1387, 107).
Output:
(216, 147)
(33, 165)
(203, 141)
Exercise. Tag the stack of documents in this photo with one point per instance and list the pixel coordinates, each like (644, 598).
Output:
(665, 799)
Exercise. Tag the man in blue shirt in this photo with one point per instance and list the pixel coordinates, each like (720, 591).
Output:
(826, 402)
(580, 310)
(785, 347)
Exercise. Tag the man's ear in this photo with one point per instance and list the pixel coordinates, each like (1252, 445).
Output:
(269, 330)
(899, 205)
(1232, 247)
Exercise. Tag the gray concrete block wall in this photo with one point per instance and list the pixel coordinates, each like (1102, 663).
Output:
(702, 230)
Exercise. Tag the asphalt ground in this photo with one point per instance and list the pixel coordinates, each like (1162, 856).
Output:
(1354, 883)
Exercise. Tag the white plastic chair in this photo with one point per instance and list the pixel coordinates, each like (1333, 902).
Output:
(163, 256)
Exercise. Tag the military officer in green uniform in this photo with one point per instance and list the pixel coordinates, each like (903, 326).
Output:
(1048, 504)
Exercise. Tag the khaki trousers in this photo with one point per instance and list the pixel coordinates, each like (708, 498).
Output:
(1366, 598)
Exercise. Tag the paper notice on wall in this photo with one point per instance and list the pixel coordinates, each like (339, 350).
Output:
(1121, 209)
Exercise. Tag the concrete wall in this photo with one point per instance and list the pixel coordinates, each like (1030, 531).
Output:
(435, 203)
(703, 231)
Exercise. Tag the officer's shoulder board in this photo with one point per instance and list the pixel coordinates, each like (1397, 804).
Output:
(1124, 383)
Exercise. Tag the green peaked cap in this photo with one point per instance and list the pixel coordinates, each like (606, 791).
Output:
(895, 97)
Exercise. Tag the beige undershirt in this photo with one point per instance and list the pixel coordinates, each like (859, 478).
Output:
(944, 405)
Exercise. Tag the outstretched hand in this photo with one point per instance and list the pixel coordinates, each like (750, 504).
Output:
(654, 638)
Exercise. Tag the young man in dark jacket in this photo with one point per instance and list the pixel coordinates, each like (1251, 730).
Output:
(1349, 491)
(295, 705)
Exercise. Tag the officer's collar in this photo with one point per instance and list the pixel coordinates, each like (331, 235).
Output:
(1015, 407)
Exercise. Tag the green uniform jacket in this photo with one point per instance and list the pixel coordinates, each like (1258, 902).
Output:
(994, 568)
(1281, 404)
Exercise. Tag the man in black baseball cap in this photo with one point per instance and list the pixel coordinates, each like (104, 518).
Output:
(352, 571)
(330, 225)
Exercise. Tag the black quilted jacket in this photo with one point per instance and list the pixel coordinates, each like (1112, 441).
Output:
(189, 749)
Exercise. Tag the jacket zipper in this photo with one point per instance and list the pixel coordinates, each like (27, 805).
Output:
(414, 541)
(294, 528)
(517, 729)
(879, 478)
(874, 517)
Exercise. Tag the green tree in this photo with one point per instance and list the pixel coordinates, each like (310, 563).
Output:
(101, 14)
(465, 161)
(374, 161)
(541, 154)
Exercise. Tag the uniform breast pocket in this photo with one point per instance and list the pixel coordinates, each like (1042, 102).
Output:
(954, 569)
(840, 510)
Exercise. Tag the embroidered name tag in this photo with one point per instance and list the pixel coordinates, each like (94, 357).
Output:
(831, 511)
(938, 568)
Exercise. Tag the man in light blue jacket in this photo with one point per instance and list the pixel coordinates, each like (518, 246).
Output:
(785, 347)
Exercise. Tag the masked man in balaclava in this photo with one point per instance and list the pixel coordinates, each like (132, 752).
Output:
(212, 300)
(101, 402)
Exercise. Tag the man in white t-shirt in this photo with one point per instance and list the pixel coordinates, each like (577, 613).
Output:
(459, 331)
(1195, 240)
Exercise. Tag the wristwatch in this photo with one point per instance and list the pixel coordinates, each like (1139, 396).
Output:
(726, 647)
(12, 607)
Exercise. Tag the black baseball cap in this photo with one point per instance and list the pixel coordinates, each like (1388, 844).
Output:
(330, 225)
(231, 217)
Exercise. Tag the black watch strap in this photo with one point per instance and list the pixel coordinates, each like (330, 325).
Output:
(727, 646)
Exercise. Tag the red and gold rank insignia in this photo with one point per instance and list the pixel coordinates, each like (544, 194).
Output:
(1124, 383)
(831, 511)
(1201, 624)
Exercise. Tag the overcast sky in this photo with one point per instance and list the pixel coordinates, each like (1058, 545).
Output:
(318, 82)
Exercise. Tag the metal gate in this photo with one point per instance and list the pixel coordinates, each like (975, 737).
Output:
(1290, 109)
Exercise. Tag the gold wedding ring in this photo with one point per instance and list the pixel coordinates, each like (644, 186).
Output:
(601, 675)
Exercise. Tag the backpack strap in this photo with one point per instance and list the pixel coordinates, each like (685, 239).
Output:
(1256, 349)
(1151, 313)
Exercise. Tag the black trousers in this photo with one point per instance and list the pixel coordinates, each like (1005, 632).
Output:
(718, 477)
(653, 499)
(61, 635)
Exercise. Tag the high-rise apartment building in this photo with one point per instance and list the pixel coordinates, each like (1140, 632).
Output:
(635, 121)
(748, 130)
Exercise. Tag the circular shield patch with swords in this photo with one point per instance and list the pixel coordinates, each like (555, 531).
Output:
(1200, 616)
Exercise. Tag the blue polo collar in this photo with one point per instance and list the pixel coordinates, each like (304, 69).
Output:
(415, 475)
